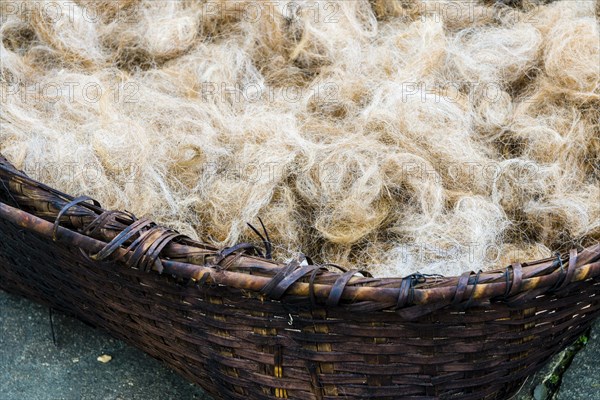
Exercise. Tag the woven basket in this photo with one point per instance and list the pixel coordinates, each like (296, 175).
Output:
(242, 326)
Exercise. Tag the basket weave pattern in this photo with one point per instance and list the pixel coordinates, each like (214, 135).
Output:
(243, 326)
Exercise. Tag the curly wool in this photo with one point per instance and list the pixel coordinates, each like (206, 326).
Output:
(430, 136)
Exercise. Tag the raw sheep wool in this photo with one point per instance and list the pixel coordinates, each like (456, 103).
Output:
(390, 135)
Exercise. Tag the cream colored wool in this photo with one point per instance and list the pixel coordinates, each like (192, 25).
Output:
(430, 136)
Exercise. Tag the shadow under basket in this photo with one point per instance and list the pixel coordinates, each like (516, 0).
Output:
(245, 327)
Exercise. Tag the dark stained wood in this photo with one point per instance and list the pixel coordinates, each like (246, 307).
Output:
(243, 326)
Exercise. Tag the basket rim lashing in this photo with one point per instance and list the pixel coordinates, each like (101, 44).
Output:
(119, 238)
(256, 273)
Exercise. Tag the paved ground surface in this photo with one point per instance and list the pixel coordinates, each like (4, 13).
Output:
(33, 368)
(582, 379)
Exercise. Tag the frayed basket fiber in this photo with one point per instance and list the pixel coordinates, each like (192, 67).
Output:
(245, 327)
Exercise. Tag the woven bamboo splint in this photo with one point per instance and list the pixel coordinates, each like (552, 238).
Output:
(244, 326)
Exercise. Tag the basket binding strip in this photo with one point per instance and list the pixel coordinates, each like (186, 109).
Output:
(242, 325)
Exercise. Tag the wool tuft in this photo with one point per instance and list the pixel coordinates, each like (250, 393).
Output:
(392, 136)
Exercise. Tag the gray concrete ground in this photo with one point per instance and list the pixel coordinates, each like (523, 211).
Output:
(582, 379)
(570, 375)
(33, 368)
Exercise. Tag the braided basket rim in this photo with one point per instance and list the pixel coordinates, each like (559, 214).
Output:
(104, 234)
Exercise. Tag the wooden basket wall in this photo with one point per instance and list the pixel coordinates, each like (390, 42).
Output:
(245, 327)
